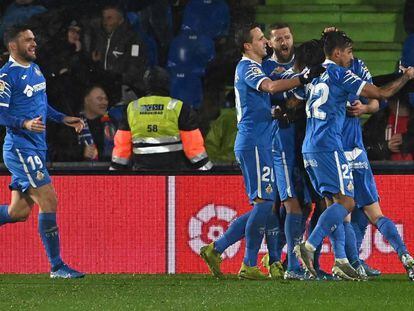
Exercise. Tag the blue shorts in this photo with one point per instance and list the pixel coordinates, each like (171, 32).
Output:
(329, 173)
(257, 168)
(27, 167)
(365, 188)
(289, 177)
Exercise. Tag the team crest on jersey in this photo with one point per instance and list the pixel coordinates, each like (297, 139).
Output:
(38, 72)
(269, 189)
(2, 86)
(350, 186)
(40, 175)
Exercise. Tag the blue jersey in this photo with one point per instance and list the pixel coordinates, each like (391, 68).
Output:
(352, 132)
(326, 107)
(253, 107)
(273, 67)
(23, 97)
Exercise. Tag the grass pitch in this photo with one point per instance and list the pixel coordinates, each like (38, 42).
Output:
(201, 292)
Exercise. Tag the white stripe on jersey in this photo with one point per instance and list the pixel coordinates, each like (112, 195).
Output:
(260, 82)
(287, 179)
(259, 183)
(26, 170)
(338, 167)
(361, 87)
(350, 75)
(4, 105)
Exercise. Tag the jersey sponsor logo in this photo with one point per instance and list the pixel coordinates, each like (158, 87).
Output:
(29, 90)
(210, 222)
(358, 165)
(151, 109)
(24, 77)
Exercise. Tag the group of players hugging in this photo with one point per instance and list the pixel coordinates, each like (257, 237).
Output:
(299, 142)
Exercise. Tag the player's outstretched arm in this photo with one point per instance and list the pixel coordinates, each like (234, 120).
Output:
(277, 86)
(388, 90)
(75, 122)
(272, 87)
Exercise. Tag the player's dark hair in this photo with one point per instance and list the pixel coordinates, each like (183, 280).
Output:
(277, 26)
(309, 53)
(243, 35)
(336, 39)
(13, 32)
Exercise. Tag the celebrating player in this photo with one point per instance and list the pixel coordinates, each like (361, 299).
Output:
(253, 144)
(323, 153)
(23, 110)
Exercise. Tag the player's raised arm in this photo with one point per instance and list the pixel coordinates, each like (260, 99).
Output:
(388, 90)
(272, 87)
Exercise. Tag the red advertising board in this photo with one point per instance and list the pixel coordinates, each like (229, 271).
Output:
(107, 224)
(206, 205)
(156, 224)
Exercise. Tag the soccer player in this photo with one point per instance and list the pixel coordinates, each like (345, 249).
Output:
(322, 149)
(292, 189)
(253, 144)
(366, 194)
(23, 110)
(281, 43)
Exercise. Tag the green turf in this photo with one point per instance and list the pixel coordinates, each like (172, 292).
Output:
(200, 292)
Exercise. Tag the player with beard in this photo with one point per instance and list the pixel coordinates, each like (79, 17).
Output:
(281, 43)
(23, 110)
(296, 206)
(253, 150)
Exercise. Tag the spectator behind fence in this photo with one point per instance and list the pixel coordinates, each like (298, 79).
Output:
(159, 132)
(95, 142)
(18, 13)
(222, 134)
(118, 50)
(389, 133)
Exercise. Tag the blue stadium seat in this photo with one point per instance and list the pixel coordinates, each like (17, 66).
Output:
(407, 58)
(187, 86)
(209, 17)
(190, 51)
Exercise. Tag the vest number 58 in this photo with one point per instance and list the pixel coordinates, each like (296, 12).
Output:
(152, 128)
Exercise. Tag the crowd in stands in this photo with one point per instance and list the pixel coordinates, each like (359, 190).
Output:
(95, 56)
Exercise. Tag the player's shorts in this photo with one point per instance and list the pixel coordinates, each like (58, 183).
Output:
(364, 183)
(329, 173)
(27, 167)
(257, 168)
(289, 177)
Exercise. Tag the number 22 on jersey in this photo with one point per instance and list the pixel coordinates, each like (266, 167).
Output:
(317, 97)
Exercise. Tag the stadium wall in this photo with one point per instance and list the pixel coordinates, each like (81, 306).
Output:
(156, 224)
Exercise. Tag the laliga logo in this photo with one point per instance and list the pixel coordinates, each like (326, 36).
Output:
(208, 225)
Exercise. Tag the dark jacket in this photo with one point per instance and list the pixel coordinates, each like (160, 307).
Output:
(123, 54)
